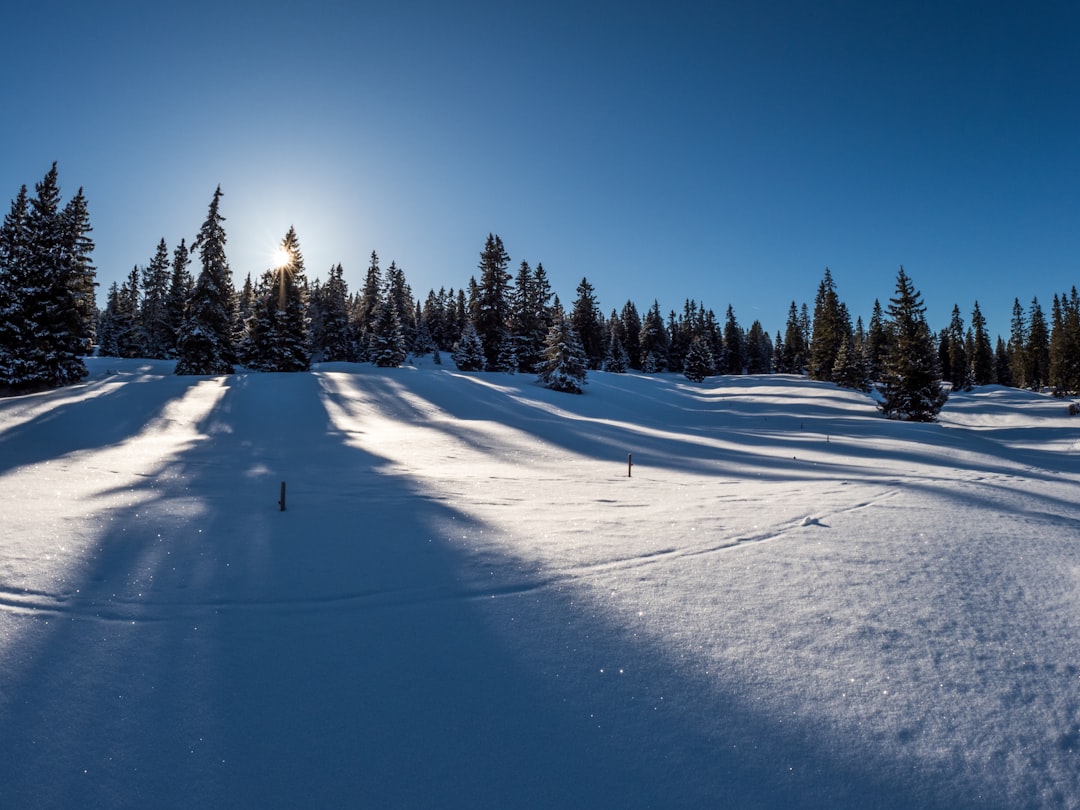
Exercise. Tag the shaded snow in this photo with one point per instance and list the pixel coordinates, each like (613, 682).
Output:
(792, 602)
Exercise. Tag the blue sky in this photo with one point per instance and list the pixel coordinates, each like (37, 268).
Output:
(723, 151)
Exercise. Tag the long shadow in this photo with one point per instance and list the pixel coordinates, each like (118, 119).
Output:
(107, 419)
(346, 653)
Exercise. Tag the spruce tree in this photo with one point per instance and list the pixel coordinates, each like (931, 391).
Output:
(14, 279)
(388, 346)
(83, 275)
(564, 367)
(759, 350)
(181, 285)
(734, 359)
(469, 351)
(793, 357)
(367, 307)
(54, 336)
(910, 386)
(278, 337)
(335, 339)
(956, 355)
(1018, 346)
(829, 330)
(205, 344)
(982, 352)
(588, 322)
(653, 341)
(153, 310)
(632, 330)
(877, 342)
(699, 360)
(1037, 350)
(492, 304)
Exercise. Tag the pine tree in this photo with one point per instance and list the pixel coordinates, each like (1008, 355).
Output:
(83, 275)
(1037, 350)
(850, 369)
(588, 323)
(153, 309)
(699, 360)
(759, 350)
(130, 333)
(469, 352)
(911, 385)
(334, 337)
(492, 315)
(204, 344)
(632, 329)
(734, 359)
(278, 335)
(877, 342)
(616, 360)
(1017, 348)
(829, 330)
(982, 352)
(1064, 349)
(388, 347)
(652, 341)
(793, 357)
(14, 279)
(564, 367)
(54, 335)
(367, 307)
(956, 360)
(1003, 363)
(181, 285)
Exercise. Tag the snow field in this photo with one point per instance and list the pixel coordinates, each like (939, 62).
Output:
(468, 603)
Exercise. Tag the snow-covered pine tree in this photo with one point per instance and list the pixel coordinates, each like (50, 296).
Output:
(911, 383)
(127, 320)
(55, 336)
(181, 285)
(829, 330)
(1037, 351)
(699, 362)
(14, 270)
(564, 367)
(469, 352)
(492, 304)
(83, 274)
(388, 347)
(653, 340)
(981, 355)
(616, 359)
(279, 337)
(153, 311)
(588, 323)
(850, 368)
(335, 342)
(367, 308)
(204, 344)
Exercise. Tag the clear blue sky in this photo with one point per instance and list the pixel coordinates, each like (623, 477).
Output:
(723, 151)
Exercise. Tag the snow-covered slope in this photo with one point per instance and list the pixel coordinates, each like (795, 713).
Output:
(791, 602)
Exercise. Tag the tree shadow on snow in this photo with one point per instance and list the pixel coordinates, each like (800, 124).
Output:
(344, 653)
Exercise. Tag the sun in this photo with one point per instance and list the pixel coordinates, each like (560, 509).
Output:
(281, 257)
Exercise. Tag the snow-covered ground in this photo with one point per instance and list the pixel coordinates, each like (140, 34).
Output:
(469, 603)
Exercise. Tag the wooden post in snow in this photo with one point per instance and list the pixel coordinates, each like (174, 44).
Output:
(281, 502)
(629, 465)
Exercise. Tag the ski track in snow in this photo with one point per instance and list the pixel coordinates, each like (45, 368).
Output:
(789, 602)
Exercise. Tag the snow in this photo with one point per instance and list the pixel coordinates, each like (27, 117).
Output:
(468, 602)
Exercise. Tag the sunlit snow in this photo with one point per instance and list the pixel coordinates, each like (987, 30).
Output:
(472, 600)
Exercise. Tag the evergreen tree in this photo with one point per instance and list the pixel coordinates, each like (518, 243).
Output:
(530, 318)
(850, 369)
(588, 323)
(877, 342)
(793, 357)
(829, 330)
(400, 297)
(652, 341)
(83, 275)
(54, 334)
(699, 360)
(130, 334)
(1064, 349)
(334, 335)
(469, 352)
(108, 328)
(758, 350)
(492, 315)
(153, 310)
(181, 285)
(631, 321)
(982, 352)
(1003, 363)
(388, 348)
(14, 279)
(956, 360)
(616, 360)
(278, 331)
(1017, 348)
(367, 307)
(564, 367)
(1037, 350)
(734, 359)
(204, 345)
(911, 385)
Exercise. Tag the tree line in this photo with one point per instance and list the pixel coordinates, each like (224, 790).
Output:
(498, 321)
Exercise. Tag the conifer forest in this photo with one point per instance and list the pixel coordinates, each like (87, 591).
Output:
(185, 304)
